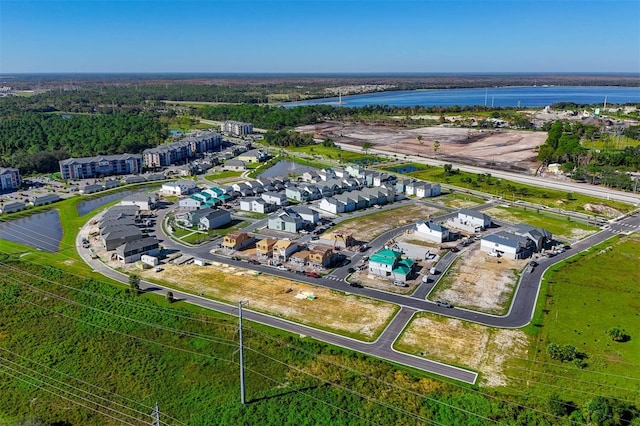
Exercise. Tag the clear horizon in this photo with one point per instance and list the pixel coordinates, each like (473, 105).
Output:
(334, 37)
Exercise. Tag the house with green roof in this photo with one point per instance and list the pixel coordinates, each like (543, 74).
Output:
(390, 264)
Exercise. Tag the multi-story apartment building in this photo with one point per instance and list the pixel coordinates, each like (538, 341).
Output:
(104, 165)
(182, 150)
(236, 128)
(9, 179)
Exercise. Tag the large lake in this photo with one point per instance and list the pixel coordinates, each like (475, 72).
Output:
(526, 96)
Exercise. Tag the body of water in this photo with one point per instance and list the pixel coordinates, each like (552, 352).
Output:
(286, 168)
(526, 96)
(90, 205)
(42, 231)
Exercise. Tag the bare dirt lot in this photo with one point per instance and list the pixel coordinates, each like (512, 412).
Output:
(476, 281)
(475, 346)
(356, 316)
(506, 149)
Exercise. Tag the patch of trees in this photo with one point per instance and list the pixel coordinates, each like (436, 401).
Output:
(288, 138)
(567, 353)
(36, 142)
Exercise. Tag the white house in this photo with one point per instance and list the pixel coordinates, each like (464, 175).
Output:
(276, 198)
(307, 214)
(257, 205)
(214, 219)
(431, 231)
(181, 187)
(235, 165)
(331, 205)
(190, 203)
(144, 200)
(507, 244)
(474, 218)
(12, 207)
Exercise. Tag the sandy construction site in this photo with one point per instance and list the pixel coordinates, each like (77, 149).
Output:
(505, 149)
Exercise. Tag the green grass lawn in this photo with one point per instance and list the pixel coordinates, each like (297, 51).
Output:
(335, 153)
(224, 174)
(584, 298)
(511, 191)
(557, 224)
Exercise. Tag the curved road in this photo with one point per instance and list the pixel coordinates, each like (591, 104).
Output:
(519, 315)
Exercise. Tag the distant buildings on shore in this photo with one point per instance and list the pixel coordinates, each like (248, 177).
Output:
(166, 155)
(236, 128)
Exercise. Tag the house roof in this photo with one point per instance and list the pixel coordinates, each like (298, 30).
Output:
(123, 232)
(283, 244)
(215, 214)
(404, 266)
(146, 243)
(523, 229)
(85, 160)
(506, 239)
(385, 256)
(474, 213)
(432, 226)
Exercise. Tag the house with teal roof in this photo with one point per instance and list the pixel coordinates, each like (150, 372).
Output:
(390, 264)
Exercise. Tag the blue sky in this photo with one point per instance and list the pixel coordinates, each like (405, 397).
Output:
(327, 36)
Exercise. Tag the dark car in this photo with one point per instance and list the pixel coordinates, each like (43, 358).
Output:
(236, 258)
(455, 249)
(444, 304)
(533, 263)
(312, 274)
(355, 284)
(253, 262)
(351, 270)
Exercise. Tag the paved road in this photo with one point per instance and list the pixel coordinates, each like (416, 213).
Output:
(579, 188)
(519, 314)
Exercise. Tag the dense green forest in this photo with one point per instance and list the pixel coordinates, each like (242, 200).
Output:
(64, 338)
(34, 142)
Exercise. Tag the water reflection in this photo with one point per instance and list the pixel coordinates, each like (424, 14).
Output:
(42, 231)
(286, 168)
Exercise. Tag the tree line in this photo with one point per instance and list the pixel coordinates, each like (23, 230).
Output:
(35, 143)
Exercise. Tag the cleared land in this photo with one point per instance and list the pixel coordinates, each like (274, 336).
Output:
(462, 343)
(345, 314)
(366, 228)
(508, 149)
(476, 281)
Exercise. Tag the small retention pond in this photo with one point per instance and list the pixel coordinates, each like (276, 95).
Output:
(42, 231)
(89, 205)
(286, 168)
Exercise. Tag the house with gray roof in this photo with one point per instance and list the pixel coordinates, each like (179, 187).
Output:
(308, 215)
(285, 221)
(132, 251)
(235, 165)
(277, 198)
(143, 200)
(471, 221)
(16, 206)
(431, 231)
(214, 219)
(119, 236)
(540, 236)
(44, 199)
(507, 244)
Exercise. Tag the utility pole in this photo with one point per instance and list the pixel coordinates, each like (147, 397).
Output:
(242, 389)
(156, 416)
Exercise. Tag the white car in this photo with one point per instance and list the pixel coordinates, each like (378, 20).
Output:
(282, 268)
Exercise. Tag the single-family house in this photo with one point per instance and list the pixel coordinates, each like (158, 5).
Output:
(264, 247)
(431, 231)
(214, 219)
(133, 251)
(234, 165)
(296, 193)
(401, 184)
(507, 244)
(540, 236)
(285, 221)
(283, 249)
(181, 187)
(331, 205)
(474, 218)
(348, 200)
(307, 214)
(390, 264)
(277, 198)
(190, 203)
(144, 200)
(254, 156)
(257, 205)
(321, 256)
(237, 240)
(300, 257)
(311, 176)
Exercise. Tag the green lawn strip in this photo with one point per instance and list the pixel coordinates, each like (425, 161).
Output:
(224, 174)
(557, 224)
(511, 191)
(337, 154)
(451, 199)
(585, 297)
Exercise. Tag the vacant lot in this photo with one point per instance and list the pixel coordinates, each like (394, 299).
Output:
(511, 148)
(476, 281)
(558, 225)
(586, 297)
(366, 228)
(345, 314)
(465, 344)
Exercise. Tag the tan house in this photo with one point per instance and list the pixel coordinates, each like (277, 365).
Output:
(283, 249)
(321, 256)
(264, 247)
(300, 257)
(236, 240)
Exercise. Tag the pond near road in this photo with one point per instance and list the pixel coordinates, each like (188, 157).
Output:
(286, 168)
(42, 231)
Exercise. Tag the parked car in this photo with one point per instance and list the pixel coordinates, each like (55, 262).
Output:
(355, 284)
(282, 268)
(315, 237)
(351, 270)
(533, 263)
(236, 258)
(444, 304)
(159, 269)
(253, 262)
(312, 274)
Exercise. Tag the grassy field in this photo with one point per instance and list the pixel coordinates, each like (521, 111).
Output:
(558, 225)
(458, 200)
(337, 154)
(224, 174)
(610, 142)
(584, 298)
(512, 191)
